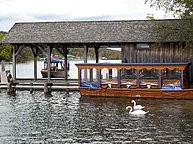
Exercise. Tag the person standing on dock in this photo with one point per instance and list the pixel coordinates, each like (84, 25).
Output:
(9, 77)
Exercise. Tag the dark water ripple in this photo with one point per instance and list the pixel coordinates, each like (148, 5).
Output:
(62, 118)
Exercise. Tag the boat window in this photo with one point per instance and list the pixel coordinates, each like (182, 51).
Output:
(128, 77)
(149, 78)
(88, 78)
(109, 77)
(171, 78)
(127, 74)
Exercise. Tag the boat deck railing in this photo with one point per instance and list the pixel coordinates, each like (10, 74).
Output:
(134, 76)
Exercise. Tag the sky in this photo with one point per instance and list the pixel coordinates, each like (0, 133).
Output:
(12, 11)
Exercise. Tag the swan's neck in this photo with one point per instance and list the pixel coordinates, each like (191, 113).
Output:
(134, 103)
(130, 109)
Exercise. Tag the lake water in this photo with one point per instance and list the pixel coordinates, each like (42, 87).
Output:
(62, 118)
(69, 118)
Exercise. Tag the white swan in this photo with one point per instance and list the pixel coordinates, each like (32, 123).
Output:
(148, 86)
(136, 112)
(137, 107)
(109, 85)
(128, 85)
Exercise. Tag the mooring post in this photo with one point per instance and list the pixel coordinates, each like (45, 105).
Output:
(47, 88)
(31, 89)
(3, 74)
(8, 88)
(67, 89)
(11, 88)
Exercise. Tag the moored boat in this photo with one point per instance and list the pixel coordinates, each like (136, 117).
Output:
(57, 69)
(145, 80)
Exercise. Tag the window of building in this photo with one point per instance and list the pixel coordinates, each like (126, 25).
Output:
(143, 46)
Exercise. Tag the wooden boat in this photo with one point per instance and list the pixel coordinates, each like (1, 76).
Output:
(145, 80)
(57, 69)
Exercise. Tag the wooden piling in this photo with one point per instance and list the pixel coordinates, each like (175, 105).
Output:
(11, 88)
(39, 85)
(67, 89)
(47, 88)
(31, 89)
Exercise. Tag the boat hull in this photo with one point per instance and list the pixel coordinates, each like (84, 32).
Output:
(53, 74)
(142, 93)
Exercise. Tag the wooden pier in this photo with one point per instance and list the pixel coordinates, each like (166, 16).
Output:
(41, 85)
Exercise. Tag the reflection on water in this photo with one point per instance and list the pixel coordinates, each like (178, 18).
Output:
(61, 118)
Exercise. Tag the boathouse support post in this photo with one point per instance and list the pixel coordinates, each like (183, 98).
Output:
(14, 61)
(36, 51)
(35, 67)
(97, 54)
(49, 59)
(66, 62)
(11, 86)
(85, 59)
(16, 49)
(85, 53)
(47, 86)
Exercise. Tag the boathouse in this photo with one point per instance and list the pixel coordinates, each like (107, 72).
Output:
(138, 40)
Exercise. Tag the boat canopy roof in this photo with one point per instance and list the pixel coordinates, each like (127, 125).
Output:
(137, 66)
(54, 61)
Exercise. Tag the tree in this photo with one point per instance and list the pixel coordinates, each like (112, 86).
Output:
(5, 53)
(181, 30)
(25, 55)
(179, 8)
(103, 52)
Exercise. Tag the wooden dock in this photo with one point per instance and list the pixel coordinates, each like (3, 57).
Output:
(39, 85)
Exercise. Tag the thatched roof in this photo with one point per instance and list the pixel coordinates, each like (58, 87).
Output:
(85, 31)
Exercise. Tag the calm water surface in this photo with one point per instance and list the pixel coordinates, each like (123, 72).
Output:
(62, 118)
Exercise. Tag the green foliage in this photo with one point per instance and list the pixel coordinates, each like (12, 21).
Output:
(108, 53)
(5, 50)
(77, 52)
(182, 31)
(172, 31)
(179, 8)
(25, 55)
(2, 34)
